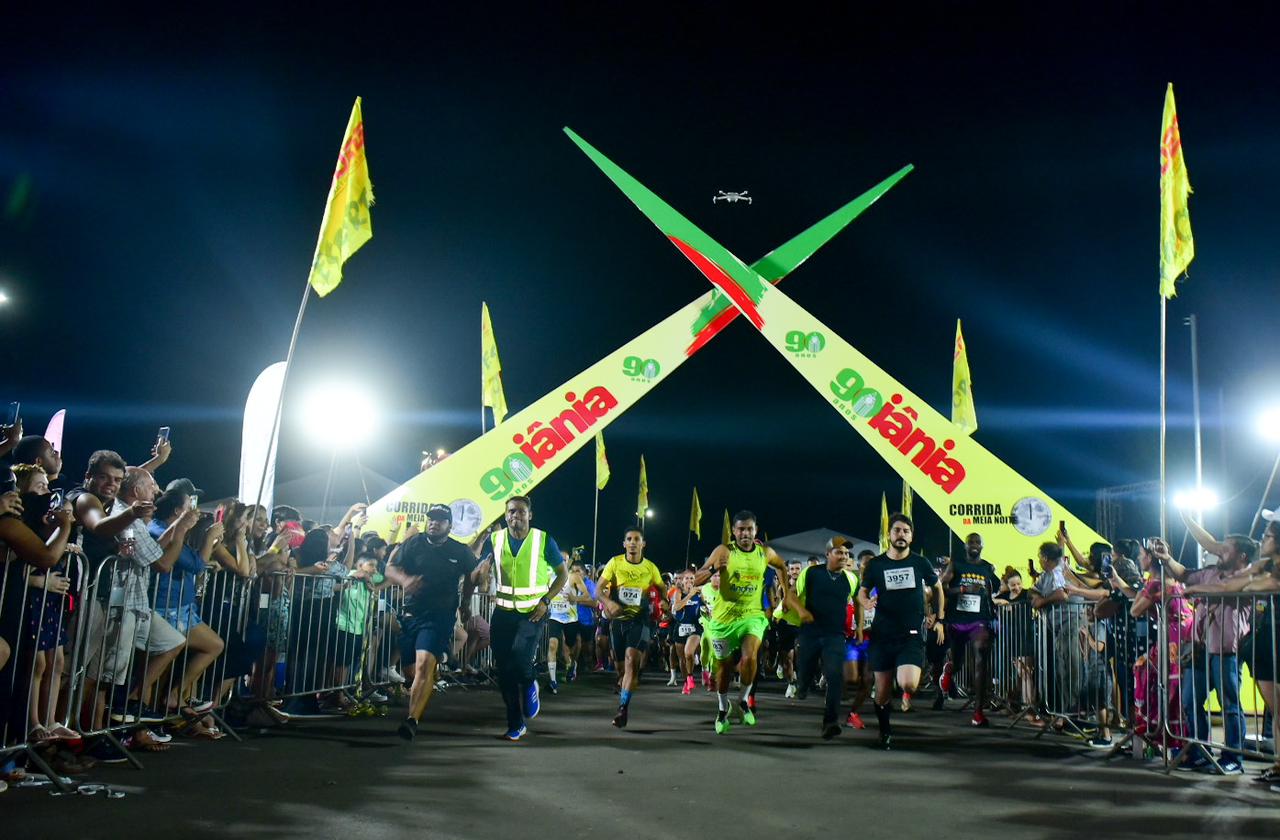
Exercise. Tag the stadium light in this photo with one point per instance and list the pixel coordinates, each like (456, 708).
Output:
(648, 513)
(1196, 499)
(1268, 424)
(340, 415)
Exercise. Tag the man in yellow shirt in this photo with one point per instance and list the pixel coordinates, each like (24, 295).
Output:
(624, 590)
(738, 621)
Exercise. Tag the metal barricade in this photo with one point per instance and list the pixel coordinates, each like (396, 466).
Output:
(1013, 659)
(38, 613)
(1223, 670)
(1077, 652)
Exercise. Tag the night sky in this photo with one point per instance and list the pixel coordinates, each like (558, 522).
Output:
(177, 172)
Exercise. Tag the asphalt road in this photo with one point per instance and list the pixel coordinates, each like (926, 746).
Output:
(666, 775)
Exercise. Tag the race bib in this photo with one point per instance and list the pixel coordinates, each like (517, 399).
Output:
(630, 596)
(900, 578)
(969, 603)
(720, 647)
(264, 601)
(687, 629)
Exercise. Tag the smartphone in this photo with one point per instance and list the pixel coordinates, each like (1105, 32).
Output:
(218, 514)
(164, 434)
(1106, 565)
(11, 417)
(55, 500)
(195, 502)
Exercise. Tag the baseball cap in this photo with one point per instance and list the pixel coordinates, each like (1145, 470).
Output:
(184, 486)
(1271, 515)
(839, 542)
(440, 512)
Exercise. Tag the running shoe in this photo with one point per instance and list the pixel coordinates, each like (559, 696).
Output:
(200, 706)
(722, 721)
(1231, 767)
(620, 719)
(378, 697)
(105, 752)
(885, 743)
(748, 713)
(408, 729)
(906, 701)
(980, 719)
(532, 705)
(830, 730)
(855, 720)
(671, 681)
(554, 686)
(390, 674)
(573, 674)
(947, 683)
(939, 702)
(515, 734)
(159, 736)
(1268, 777)
(781, 675)
(688, 686)
(1198, 761)
(1100, 743)
(790, 693)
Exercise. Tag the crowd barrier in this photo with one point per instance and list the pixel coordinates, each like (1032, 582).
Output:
(96, 651)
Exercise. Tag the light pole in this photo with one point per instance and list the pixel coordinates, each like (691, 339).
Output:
(1269, 429)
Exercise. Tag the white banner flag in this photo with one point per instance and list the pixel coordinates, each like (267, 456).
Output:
(258, 447)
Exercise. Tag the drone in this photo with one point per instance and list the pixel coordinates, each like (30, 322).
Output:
(731, 197)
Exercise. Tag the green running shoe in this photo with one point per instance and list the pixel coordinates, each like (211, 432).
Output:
(722, 722)
(748, 716)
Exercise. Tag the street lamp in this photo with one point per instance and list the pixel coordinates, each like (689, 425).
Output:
(648, 513)
(1198, 499)
(340, 416)
(3, 298)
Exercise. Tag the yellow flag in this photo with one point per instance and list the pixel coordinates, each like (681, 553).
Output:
(346, 224)
(642, 501)
(695, 516)
(907, 498)
(491, 369)
(602, 463)
(1177, 248)
(726, 533)
(963, 414)
(884, 523)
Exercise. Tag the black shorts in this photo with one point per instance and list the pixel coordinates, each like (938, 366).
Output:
(686, 631)
(433, 634)
(635, 633)
(569, 632)
(785, 636)
(1256, 651)
(888, 653)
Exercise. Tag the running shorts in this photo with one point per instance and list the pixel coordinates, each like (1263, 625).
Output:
(889, 654)
(726, 639)
(634, 633)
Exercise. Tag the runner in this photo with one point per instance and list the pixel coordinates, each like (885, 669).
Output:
(824, 593)
(428, 567)
(970, 584)
(686, 611)
(900, 579)
(524, 559)
(738, 621)
(667, 641)
(623, 592)
(786, 629)
(584, 599)
(563, 631)
(710, 592)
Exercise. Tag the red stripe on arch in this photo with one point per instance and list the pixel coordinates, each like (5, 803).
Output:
(726, 284)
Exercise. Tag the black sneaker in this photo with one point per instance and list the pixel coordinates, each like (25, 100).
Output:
(885, 743)
(105, 752)
(620, 719)
(830, 729)
(939, 702)
(408, 729)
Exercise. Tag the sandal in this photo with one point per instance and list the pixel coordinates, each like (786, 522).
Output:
(64, 733)
(39, 734)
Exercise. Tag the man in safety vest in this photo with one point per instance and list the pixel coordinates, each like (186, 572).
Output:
(528, 572)
(738, 621)
(624, 590)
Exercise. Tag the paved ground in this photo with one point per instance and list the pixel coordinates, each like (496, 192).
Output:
(667, 775)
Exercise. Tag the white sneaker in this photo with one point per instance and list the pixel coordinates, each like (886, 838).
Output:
(790, 692)
(378, 697)
(780, 672)
(672, 681)
(390, 673)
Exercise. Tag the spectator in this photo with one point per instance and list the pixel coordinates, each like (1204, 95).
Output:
(174, 594)
(222, 603)
(1061, 614)
(1019, 631)
(1219, 625)
(358, 593)
(35, 450)
(1096, 686)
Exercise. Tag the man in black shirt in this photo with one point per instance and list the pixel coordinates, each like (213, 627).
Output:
(970, 582)
(428, 566)
(898, 580)
(825, 592)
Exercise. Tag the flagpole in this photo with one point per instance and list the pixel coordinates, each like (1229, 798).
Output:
(688, 544)
(284, 383)
(1195, 407)
(1163, 478)
(595, 531)
(363, 485)
(328, 485)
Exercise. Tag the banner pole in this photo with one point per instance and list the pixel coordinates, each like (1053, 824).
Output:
(328, 485)
(363, 485)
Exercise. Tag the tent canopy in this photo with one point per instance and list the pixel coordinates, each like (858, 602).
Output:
(813, 543)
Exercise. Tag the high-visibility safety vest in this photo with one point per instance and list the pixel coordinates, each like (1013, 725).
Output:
(521, 578)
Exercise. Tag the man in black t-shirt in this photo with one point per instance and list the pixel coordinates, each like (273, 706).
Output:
(969, 582)
(428, 566)
(825, 592)
(899, 580)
